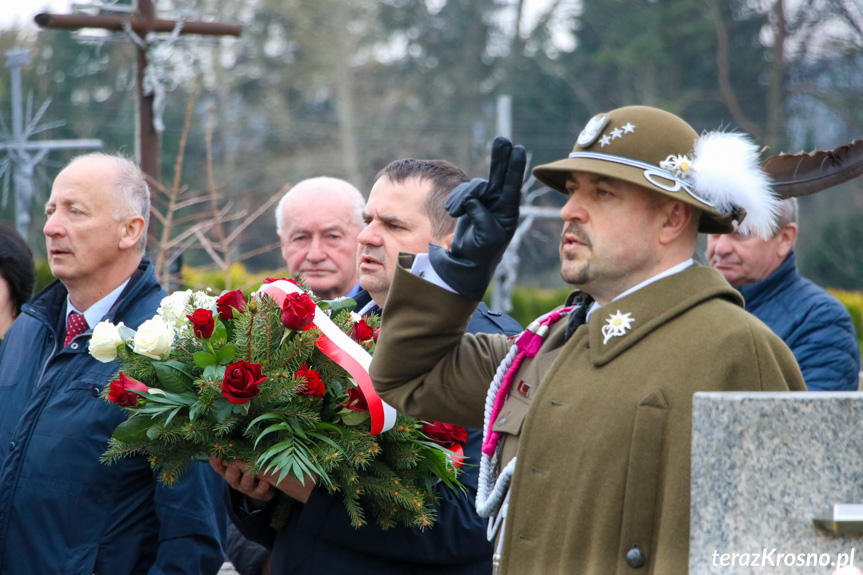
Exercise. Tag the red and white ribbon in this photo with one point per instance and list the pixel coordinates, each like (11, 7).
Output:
(339, 347)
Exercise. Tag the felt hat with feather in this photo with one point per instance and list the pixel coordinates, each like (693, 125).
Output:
(718, 172)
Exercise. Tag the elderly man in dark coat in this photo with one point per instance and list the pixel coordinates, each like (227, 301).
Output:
(813, 323)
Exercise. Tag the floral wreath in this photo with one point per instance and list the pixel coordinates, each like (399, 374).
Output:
(245, 379)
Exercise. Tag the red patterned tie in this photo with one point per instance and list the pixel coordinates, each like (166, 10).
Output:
(75, 324)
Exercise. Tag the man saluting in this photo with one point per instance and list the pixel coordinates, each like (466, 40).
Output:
(586, 461)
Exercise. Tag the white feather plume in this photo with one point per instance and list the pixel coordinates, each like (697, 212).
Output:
(726, 172)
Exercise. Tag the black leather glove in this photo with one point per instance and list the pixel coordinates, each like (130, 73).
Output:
(488, 216)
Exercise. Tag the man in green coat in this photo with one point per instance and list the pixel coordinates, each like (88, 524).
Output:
(586, 457)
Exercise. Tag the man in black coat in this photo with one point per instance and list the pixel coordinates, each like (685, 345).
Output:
(405, 212)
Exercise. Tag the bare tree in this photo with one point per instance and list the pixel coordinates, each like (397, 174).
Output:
(204, 229)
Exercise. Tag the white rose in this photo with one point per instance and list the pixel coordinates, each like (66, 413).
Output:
(105, 340)
(173, 307)
(154, 338)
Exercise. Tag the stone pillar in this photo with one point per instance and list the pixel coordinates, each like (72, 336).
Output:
(764, 465)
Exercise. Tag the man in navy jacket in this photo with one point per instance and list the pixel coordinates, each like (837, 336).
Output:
(61, 511)
(404, 213)
(813, 323)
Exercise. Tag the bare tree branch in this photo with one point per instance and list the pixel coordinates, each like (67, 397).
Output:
(260, 250)
(175, 241)
(855, 22)
(191, 202)
(208, 246)
(154, 212)
(266, 205)
(211, 182)
(166, 243)
(729, 98)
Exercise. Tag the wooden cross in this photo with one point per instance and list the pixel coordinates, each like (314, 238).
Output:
(142, 24)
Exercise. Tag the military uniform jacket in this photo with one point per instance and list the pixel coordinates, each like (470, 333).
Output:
(602, 426)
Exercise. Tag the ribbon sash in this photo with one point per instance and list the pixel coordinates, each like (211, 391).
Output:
(350, 355)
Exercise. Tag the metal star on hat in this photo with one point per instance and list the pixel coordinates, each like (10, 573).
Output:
(616, 324)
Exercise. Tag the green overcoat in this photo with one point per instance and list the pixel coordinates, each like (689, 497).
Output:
(602, 425)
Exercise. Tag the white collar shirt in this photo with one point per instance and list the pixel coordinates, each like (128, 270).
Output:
(98, 310)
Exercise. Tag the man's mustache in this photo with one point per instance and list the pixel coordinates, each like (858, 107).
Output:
(577, 231)
(372, 252)
(724, 259)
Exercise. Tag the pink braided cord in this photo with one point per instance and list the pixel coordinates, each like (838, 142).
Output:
(492, 438)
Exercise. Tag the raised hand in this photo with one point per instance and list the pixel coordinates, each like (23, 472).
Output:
(488, 217)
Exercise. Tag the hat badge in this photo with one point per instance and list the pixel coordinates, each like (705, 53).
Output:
(592, 130)
(616, 325)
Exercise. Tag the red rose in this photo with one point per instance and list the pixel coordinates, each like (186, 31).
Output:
(377, 333)
(445, 434)
(233, 300)
(298, 311)
(361, 331)
(241, 381)
(312, 384)
(356, 401)
(203, 323)
(122, 391)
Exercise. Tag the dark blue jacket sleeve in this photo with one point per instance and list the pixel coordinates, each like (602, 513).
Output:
(192, 523)
(485, 320)
(253, 524)
(247, 557)
(827, 349)
(812, 322)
